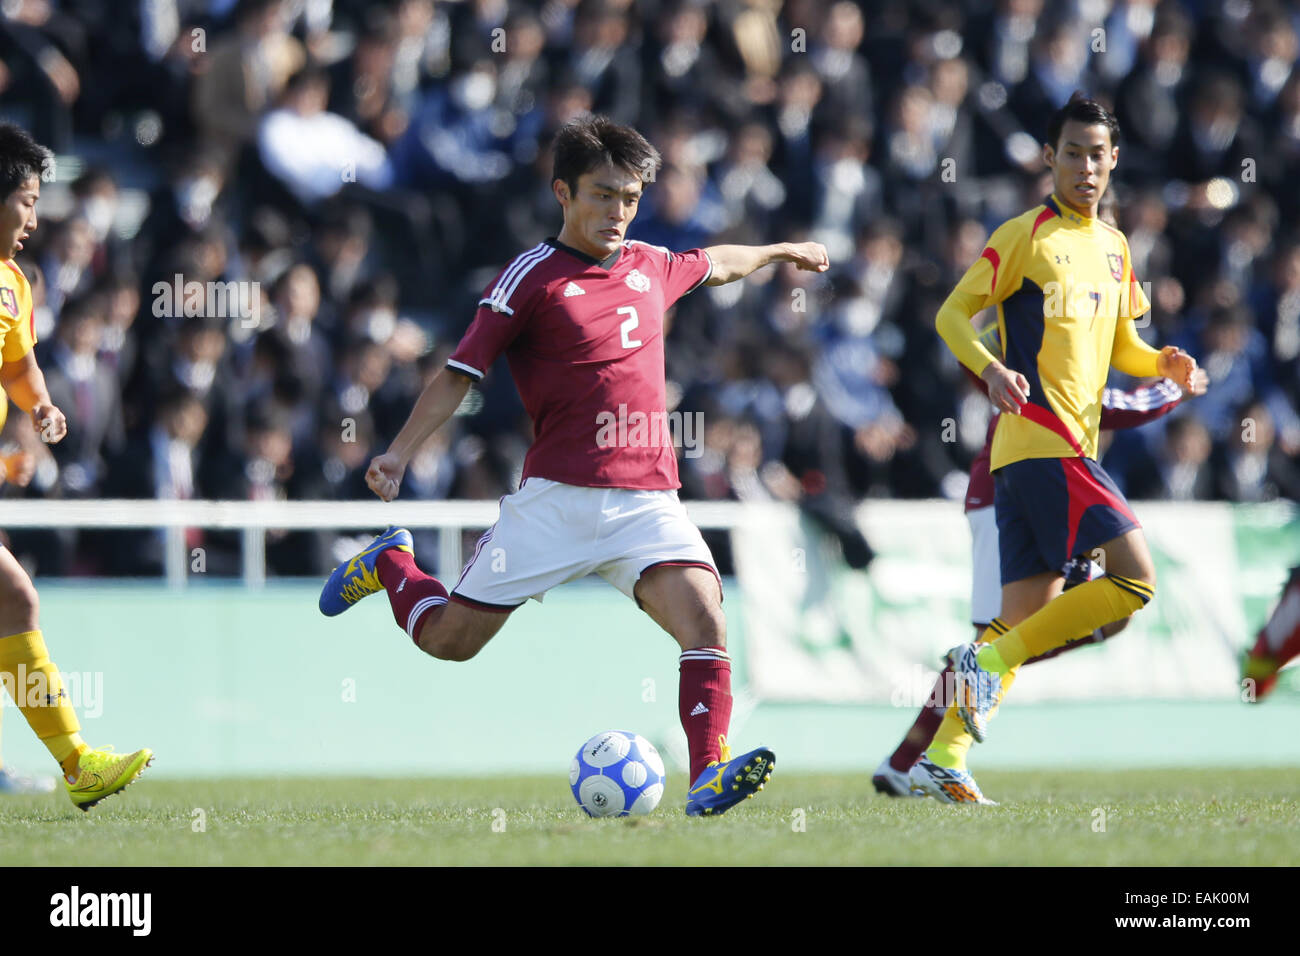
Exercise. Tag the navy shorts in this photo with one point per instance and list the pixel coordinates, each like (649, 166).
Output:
(1051, 509)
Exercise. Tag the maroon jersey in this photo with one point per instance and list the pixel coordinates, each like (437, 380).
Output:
(585, 344)
(1118, 410)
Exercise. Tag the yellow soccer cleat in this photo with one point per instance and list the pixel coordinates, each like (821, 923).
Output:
(102, 773)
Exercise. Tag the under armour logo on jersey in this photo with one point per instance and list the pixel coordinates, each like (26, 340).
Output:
(699, 709)
(574, 289)
(637, 282)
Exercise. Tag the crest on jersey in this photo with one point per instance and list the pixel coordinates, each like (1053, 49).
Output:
(1116, 263)
(637, 282)
(9, 301)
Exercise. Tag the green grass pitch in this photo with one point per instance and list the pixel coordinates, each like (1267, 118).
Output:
(1163, 818)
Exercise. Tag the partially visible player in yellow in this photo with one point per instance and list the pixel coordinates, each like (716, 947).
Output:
(1067, 298)
(17, 467)
(29, 676)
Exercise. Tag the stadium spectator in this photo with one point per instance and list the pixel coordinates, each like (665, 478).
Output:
(1252, 467)
(242, 76)
(1182, 470)
(81, 382)
(315, 152)
(928, 115)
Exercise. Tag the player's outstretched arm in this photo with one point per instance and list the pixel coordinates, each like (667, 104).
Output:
(25, 383)
(437, 403)
(735, 262)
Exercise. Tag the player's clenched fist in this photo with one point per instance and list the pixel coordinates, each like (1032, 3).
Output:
(809, 256)
(1176, 364)
(49, 424)
(384, 476)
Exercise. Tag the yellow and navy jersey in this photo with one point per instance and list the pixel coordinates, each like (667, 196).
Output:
(17, 326)
(1062, 284)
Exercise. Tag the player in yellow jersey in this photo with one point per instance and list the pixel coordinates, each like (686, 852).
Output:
(29, 676)
(17, 467)
(1067, 298)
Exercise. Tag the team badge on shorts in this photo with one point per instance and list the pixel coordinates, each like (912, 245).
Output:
(9, 301)
(1116, 263)
(637, 282)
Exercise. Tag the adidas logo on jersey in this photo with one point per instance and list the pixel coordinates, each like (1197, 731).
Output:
(699, 709)
(574, 289)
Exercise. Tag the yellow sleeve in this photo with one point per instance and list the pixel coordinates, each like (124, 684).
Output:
(1131, 355)
(954, 325)
(991, 279)
(20, 335)
(18, 341)
(1137, 304)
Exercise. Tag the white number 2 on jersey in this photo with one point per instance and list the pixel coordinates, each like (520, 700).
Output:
(628, 325)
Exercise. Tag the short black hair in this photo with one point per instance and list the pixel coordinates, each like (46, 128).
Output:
(1082, 110)
(590, 142)
(21, 158)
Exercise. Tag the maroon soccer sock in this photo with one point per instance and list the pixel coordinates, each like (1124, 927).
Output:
(1281, 635)
(413, 594)
(1096, 637)
(704, 703)
(926, 725)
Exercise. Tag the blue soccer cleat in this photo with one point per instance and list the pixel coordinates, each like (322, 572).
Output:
(977, 690)
(946, 785)
(727, 781)
(349, 583)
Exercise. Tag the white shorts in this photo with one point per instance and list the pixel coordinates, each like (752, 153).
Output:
(549, 533)
(986, 576)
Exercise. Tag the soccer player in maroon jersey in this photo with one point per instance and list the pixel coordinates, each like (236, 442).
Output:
(1276, 645)
(580, 319)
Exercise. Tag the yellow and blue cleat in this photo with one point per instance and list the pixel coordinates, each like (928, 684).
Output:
(350, 582)
(102, 773)
(977, 690)
(727, 781)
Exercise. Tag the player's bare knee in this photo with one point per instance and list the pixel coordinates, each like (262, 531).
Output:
(1114, 627)
(19, 606)
(448, 643)
(707, 627)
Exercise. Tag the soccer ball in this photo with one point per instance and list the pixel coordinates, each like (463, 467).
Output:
(617, 773)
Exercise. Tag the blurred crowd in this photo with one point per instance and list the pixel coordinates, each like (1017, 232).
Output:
(362, 168)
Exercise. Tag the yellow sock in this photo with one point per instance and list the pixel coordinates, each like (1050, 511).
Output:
(1079, 610)
(36, 687)
(951, 743)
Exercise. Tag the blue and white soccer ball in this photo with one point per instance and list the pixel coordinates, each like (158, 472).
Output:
(617, 774)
